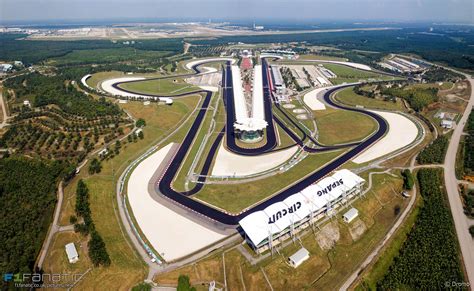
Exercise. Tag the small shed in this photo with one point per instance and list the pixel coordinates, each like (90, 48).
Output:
(447, 123)
(72, 253)
(350, 215)
(298, 258)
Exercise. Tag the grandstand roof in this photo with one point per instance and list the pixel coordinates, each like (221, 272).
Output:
(239, 99)
(250, 124)
(258, 111)
(279, 216)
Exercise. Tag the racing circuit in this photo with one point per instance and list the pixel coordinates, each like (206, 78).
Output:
(164, 185)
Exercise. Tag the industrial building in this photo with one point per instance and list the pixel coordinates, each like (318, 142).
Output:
(282, 220)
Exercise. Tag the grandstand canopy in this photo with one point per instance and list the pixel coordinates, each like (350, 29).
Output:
(279, 216)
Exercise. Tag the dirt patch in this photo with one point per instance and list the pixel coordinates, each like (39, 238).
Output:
(299, 110)
(302, 116)
(357, 229)
(328, 236)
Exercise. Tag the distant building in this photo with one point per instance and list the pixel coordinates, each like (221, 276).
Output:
(71, 252)
(103, 152)
(5, 68)
(26, 103)
(350, 215)
(298, 258)
(448, 124)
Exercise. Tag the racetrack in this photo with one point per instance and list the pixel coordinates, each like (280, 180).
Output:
(164, 185)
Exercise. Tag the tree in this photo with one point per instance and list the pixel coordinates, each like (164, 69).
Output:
(471, 230)
(142, 287)
(408, 180)
(184, 284)
(95, 166)
(140, 135)
(97, 250)
(140, 122)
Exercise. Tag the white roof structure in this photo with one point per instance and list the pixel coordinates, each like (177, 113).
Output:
(71, 252)
(299, 207)
(350, 215)
(280, 215)
(239, 99)
(250, 124)
(255, 226)
(258, 111)
(299, 257)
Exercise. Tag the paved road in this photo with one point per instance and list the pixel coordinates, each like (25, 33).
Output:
(4, 110)
(461, 221)
(54, 227)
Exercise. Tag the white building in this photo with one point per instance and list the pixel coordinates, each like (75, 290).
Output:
(350, 215)
(282, 220)
(448, 124)
(298, 258)
(71, 252)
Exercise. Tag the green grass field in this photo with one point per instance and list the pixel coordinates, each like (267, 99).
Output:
(341, 126)
(236, 197)
(164, 86)
(347, 74)
(347, 96)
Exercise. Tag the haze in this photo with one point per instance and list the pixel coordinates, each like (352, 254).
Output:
(460, 11)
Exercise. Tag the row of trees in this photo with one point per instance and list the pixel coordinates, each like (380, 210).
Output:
(435, 152)
(430, 256)
(97, 250)
(469, 147)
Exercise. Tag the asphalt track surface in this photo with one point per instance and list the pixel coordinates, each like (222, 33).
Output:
(183, 199)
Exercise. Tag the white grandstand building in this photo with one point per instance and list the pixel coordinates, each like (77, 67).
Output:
(282, 220)
(249, 127)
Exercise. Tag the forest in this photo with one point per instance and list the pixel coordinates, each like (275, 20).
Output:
(27, 199)
(430, 256)
(435, 152)
(45, 90)
(13, 47)
(418, 98)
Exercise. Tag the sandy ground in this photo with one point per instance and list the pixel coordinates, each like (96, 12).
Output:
(171, 234)
(311, 99)
(107, 86)
(230, 164)
(190, 64)
(402, 132)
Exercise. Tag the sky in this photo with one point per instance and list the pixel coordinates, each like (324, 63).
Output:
(459, 11)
